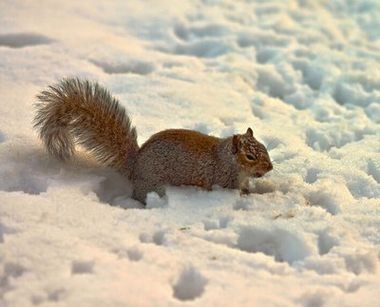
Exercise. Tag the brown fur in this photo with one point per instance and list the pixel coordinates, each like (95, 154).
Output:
(84, 112)
(188, 139)
(76, 111)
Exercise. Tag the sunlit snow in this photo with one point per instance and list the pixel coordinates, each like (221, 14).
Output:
(305, 75)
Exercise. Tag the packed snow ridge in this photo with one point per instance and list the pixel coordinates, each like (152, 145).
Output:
(305, 75)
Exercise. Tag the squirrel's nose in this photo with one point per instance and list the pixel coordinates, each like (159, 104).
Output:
(267, 167)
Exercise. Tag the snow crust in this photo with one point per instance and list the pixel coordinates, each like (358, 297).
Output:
(305, 75)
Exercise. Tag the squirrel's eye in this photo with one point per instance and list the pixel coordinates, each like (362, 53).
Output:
(250, 157)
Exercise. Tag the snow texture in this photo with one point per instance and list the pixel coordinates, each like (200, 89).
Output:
(304, 74)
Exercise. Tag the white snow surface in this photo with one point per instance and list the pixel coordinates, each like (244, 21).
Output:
(305, 75)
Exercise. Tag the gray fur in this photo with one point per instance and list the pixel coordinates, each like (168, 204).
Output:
(75, 111)
(164, 163)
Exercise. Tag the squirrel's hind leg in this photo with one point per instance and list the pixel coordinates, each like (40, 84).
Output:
(141, 189)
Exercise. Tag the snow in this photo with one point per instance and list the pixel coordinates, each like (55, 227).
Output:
(303, 74)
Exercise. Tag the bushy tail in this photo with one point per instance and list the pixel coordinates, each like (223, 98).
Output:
(76, 111)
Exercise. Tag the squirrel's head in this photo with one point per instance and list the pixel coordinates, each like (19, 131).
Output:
(251, 155)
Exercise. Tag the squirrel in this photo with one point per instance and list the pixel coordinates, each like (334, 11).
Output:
(81, 112)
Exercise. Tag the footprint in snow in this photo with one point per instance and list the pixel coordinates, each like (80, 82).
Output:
(132, 67)
(133, 253)
(158, 237)
(184, 32)
(19, 40)
(82, 267)
(2, 137)
(189, 285)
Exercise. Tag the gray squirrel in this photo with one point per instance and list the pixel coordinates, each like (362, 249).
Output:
(83, 112)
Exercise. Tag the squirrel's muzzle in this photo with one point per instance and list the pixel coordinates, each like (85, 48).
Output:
(263, 169)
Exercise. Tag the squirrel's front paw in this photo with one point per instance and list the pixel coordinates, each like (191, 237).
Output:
(244, 191)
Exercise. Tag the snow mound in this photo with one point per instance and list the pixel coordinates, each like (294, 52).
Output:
(283, 244)
(304, 75)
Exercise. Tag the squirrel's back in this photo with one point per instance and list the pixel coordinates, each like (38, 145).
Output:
(189, 140)
(180, 157)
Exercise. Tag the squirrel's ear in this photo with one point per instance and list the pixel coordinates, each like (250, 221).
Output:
(249, 131)
(235, 144)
